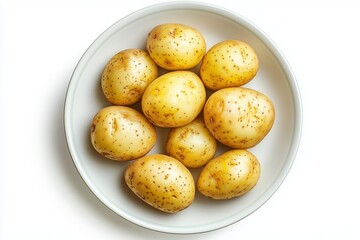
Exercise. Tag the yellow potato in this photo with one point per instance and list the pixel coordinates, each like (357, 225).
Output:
(176, 46)
(162, 182)
(191, 144)
(122, 133)
(229, 175)
(239, 117)
(126, 76)
(230, 63)
(174, 99)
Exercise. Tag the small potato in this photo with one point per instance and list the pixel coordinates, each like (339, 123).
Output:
(162, 182)
(174, 99)
(122, 133)
(176, 46)
(191, 144)
(229, 175)
(230, 63)
(239, 117)
(126, 76)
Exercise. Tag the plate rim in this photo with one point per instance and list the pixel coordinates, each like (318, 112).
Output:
(214, 9)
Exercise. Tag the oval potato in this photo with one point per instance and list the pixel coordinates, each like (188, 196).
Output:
(239, 117)
(176, 46)
(122, 133)
(191, 144)
(162, 182)
(126, 76)
(230, 63)
(229, 175)
(174, 99)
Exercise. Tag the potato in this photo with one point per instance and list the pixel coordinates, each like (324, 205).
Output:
(230, 63)
(239, 117)
(162, 182)
(122, 133)
(191, 144)
(229, 175)
(174, 99)
(176, 46)
(126, 76)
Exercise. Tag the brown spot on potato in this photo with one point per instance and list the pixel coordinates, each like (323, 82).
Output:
(135, 92)
(168, 62)
(93, 127)
(154, 35)
(211, 119)
(172, 32)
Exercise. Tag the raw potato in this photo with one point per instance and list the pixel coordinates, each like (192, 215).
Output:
(239, 117)
(126, 76)
(174, 99)
(191, 144)
(162, 182)
(229, 175)
(122, 133)
(230, 63)
(176, 46)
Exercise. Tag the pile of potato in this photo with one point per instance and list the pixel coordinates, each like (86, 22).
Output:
(232, 115)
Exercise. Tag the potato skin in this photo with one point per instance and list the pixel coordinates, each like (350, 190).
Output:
(122, 133)
(176, 46)
(229, 175)
(191, 144)
(239, 117)
(126, 76)
(230, 63)
(162, 182)
(174, 99)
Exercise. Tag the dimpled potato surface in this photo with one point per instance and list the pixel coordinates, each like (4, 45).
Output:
(191, 144)
(174, 99)
(126, 76)
(162, 182)
(176, 46)
(230, 63)
(122, 133)
(239, 117)
(229, 175)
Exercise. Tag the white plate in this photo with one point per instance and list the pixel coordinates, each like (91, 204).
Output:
(105, 177)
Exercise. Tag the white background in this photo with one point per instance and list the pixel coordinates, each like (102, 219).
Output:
(42, 194)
